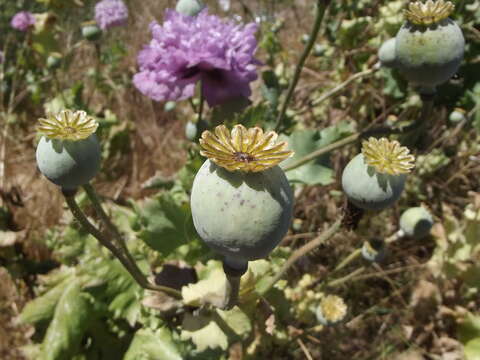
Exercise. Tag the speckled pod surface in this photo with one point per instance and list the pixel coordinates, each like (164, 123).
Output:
(241, 215)
(429, 55)
(69, 164)
(368, 189)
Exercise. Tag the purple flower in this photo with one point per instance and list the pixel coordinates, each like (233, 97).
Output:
(22, 20)
(110, 13)
(187, 49)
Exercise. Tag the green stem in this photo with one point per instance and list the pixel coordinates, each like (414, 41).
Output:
(313, 155)
(321, 7)
(345, 278)
(233, 288)
(305, 249)
(131, 267)
(201, 105)
(381, 130)
(353, 255)
(113, 230)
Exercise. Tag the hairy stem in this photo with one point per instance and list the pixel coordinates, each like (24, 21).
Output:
(105, 219)
(321, 7)
(305, 249)
(130, 266)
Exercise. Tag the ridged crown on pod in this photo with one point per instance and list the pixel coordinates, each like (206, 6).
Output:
(68, 125)
(245, 150)
(429, 12)
(387, 157)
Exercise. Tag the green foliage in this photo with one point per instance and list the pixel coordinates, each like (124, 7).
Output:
(167, 224)
(150, 344)
(303, 142)
(42, 308)
(67, 328)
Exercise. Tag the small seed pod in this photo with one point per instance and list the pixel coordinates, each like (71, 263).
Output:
(189, 7)
(54, 60)
(170, 106)
(374, 250)
(386, 53)
(193, 129)
(69, 152)
(457, 115)
(241, 200)
(331, 310)
(375, 178)
(91, 31)
(416, 222)
(429, 46)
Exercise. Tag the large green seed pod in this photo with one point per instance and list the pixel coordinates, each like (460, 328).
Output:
(241, 205)
(67, 163)
(429, 46)
(242, 215)
(416, 222)
(69, 152)
(375, 178)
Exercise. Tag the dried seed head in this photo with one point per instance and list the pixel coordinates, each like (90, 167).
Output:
(245, 150)
(428, 13)
(387, 157)
(68, 125)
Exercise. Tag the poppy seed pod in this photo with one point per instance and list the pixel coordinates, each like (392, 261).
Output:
(386, 53)
(416, 222)
(374, 250)
(375, 178)
(241, 200)
(189, 7)
(91, 31)
(429, 46)
(69, 152)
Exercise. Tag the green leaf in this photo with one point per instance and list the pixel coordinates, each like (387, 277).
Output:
(237, 321)
(472, 349)
(42, 308)
(152, 345)
(204, 332)
(469, 328)
(168, 224)
(210, 290)
(304, 142)
(111, 282)
(66, 331)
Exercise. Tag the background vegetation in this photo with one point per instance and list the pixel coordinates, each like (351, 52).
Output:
(59, 288)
